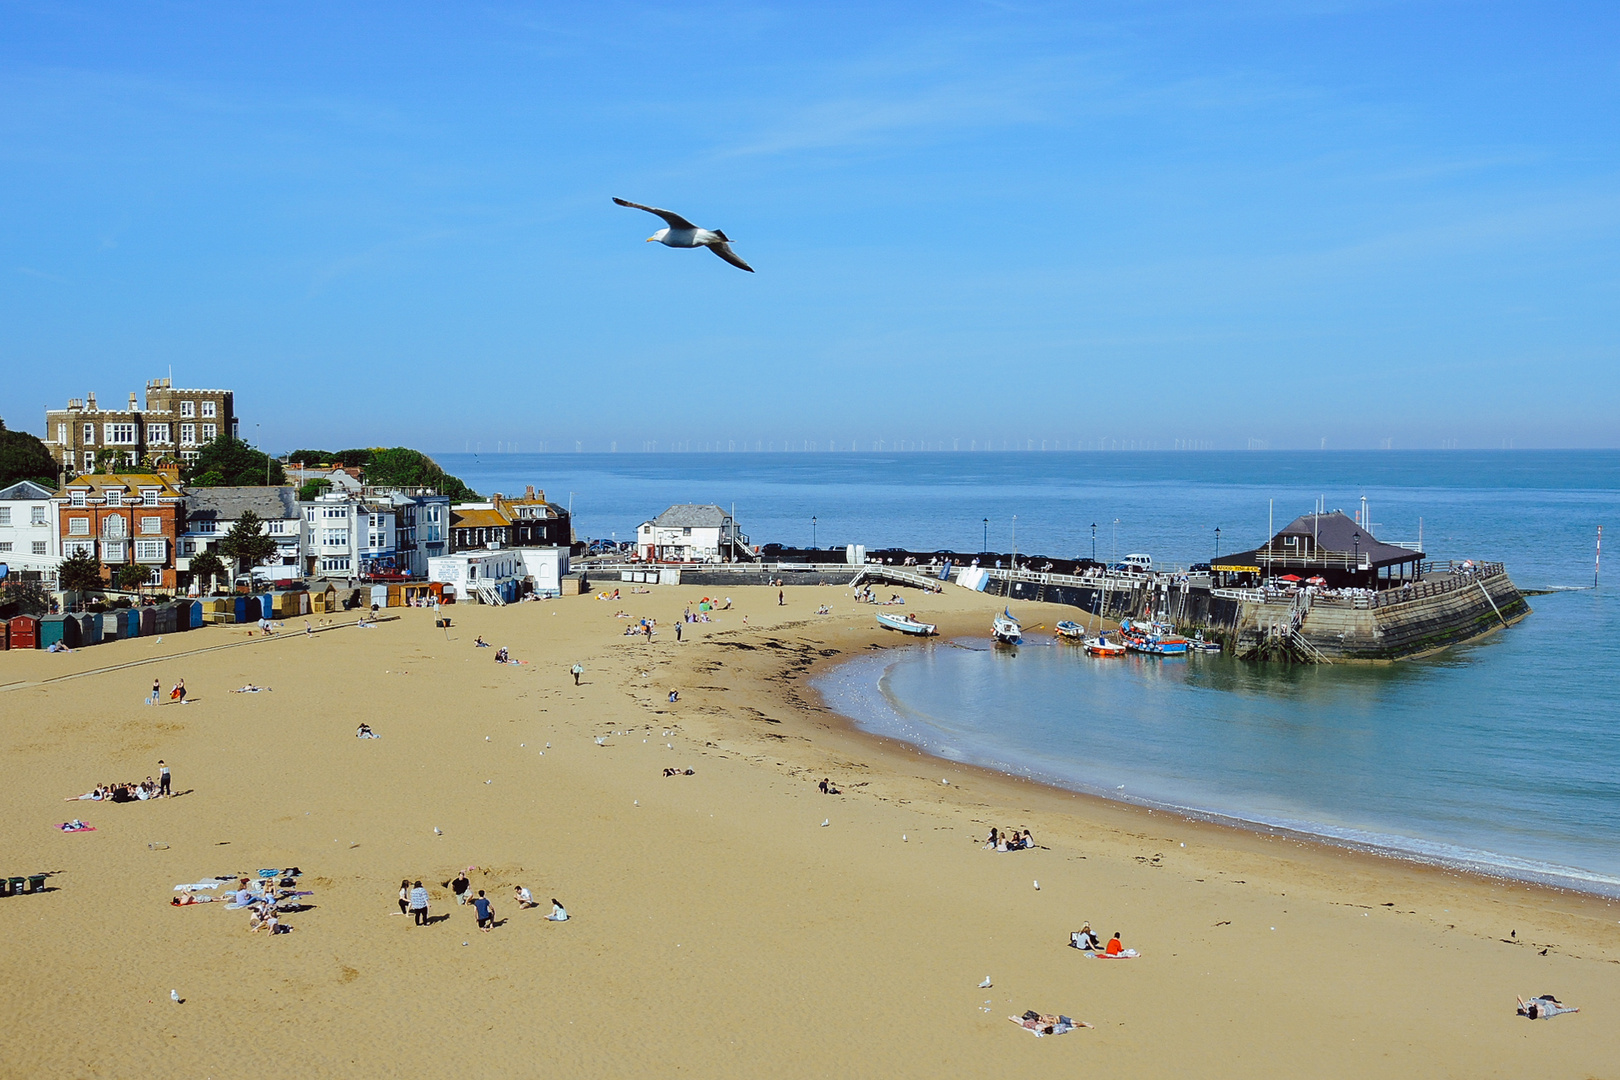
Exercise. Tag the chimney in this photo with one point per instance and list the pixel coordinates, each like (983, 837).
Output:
(91, 397)
(170, 471)
(496, 499)
(132, 407)
(529, 493)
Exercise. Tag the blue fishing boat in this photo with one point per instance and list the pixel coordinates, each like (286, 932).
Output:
(906, 624)
(1153, 638)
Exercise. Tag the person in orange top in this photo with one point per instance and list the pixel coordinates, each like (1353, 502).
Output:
(1115, 946)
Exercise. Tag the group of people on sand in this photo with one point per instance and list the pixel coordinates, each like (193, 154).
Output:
(867, 596)
(413, 901)
(364, 732)
(132, 792)
(1012, 840)
(1086, 940)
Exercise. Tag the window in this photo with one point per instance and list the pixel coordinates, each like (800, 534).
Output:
(114, 496)
(335, 512)
(188, 434)
(89, 433)
(61, 434)
(188, 547)
(210, 432)
(79, 547)
(189, 456)
(36, 515)
(119, 434)
(5, 515)
(276, 528)
(132, 458)
(152, 526)
(5, 545)
(156, 577)
(149, 551)
(89, 461)
(39, 547)
(208, 408)
(187, 408)
(335, 564)
(157, 433)
(76, 496)
(309, 514)
(78, 526)
(206, 526)
(114, 525)
(149, 496)
(335, 538)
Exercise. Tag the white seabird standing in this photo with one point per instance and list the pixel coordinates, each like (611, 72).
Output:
(683, 234)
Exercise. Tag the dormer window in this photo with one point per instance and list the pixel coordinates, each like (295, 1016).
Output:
(76, 497)
(149, 497)
(114, 497)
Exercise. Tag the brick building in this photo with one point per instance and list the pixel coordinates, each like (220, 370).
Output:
(172, 425)
(124, 518)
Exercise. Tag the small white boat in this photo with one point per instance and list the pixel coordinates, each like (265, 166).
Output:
(1101, 646)
(1198, 644)
(906, 624)
(1006, 629)
(1071, 631)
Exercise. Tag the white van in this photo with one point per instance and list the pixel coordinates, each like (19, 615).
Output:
(1141, 564)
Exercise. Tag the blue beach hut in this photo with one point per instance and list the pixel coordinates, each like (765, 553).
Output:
(59, 628)
(163, 619)
(148, 617)
(90, 628)
(192, 609)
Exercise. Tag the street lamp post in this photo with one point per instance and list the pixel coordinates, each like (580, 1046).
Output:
(1217, 541)
(812, 532)
(986, 535)
(1356, 540)
(1093, 541)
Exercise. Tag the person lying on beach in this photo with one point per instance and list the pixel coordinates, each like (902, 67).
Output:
(677, 772)
(190, 898)
(251, 689)
(95, 795)
(1544, 1007)
(1047, 1023)
(480, 643)
(364, 732)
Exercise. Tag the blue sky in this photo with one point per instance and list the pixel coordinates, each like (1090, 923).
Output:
(1151, 223)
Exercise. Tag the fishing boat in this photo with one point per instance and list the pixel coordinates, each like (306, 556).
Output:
(906, 624)
(1071, 631)
(1153, 638)
(1006, 629)
(1198, 644)
(1101, 646)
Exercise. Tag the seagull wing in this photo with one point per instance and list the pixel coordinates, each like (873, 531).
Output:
(674, 220)
(723, 250)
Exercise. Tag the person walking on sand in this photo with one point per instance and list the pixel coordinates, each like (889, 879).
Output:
(781, 598)
(419, 904)
(460, 887)
(576, 671)
(163, 779)
(677, 632)
(179, 692)
(404, 897)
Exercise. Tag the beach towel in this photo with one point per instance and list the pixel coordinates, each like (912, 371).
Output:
(1128, 954)
(195, 886)
(76, 826)
(1041, 1024)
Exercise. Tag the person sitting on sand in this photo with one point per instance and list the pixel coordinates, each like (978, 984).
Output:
(1085, 938)
(485, 912)
(990, 844)
(558, 912)
(1028, 842)
(480, 643)
(674, 696)
(1117, 947)
(1544, 1007)
(364, 732)
(525, 899)
(828, 788)
(501, 655)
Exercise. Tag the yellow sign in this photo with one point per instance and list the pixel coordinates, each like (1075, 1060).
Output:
(1237, 569)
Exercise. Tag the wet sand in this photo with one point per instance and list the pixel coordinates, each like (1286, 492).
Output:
(719, 929)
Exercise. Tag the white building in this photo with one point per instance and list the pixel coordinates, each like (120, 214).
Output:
(347, 535)
(212, 511)
(692, 533)
(28, 530)
(473, 575)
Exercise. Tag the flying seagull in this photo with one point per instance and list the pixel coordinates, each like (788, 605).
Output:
(683, 234)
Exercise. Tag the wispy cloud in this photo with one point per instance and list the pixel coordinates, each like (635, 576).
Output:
(31, 272)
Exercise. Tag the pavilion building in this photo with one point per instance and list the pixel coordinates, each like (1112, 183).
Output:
(1329, 547)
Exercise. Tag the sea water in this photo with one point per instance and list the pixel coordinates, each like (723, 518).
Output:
(1503, 755)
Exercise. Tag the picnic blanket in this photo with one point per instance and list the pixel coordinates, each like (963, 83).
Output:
(1128, 954)
(1041, 1024)
(76, 826)
(196, 886)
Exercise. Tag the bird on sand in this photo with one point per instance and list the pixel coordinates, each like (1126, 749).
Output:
(683, 234)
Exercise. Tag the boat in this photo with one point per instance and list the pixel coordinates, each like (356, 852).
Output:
(1198, 644)
(906, 624)
(1101, 646)
(1153, 638)
(1006, 629)
(1071, 631)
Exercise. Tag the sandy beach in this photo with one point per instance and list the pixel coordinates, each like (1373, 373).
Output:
(718, 927)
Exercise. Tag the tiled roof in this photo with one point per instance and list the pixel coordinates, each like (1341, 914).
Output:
(229, 503)
(477, 519)
(690, 516)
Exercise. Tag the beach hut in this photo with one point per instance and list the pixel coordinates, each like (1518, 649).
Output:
(396, 596)
(119, 623)
(163, 619)
(193, 611)
(148, 616)
(23, 632)
(323, 600)
(267, 605)
(5, 634)
(379, 596)
(182, 613)
(59, 628)
(90, 627)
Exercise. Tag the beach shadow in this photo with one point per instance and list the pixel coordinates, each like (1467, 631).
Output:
(431, 919)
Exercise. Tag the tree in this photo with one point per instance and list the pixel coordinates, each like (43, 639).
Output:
(407, 468)
(309, 489)
(19, 597)
(24, 457)
(228, 462)
(205, 567)
(247, 543)
(80, 573)
(131, 577)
